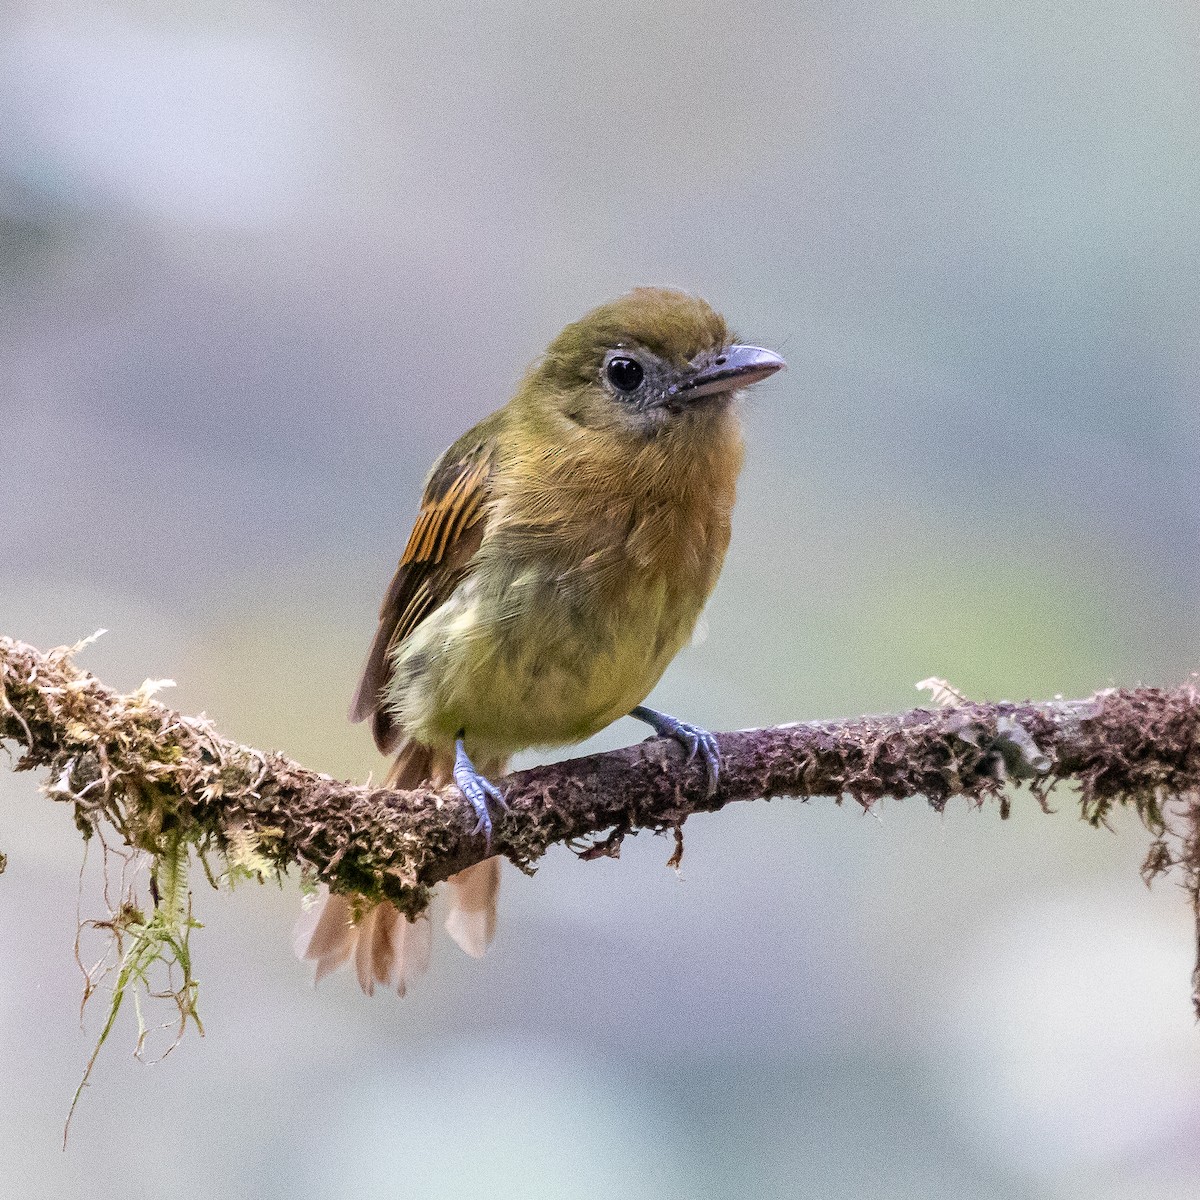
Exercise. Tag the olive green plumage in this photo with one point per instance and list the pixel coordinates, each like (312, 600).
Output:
(562, 554)
(566, 544)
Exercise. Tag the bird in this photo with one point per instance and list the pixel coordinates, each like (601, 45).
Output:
(563, 551)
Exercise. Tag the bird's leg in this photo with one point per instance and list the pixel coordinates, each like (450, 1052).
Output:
(475, 788)
(691, 737)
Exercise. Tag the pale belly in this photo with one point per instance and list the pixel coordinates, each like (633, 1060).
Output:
(542, 671)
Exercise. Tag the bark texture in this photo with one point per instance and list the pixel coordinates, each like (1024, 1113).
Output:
(158, 777)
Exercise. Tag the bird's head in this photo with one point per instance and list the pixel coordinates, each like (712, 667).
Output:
(654, 360)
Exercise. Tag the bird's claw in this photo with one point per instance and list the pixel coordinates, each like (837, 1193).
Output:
(477, 790)
(691, 737)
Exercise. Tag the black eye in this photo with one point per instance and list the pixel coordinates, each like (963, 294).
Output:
(625, 374)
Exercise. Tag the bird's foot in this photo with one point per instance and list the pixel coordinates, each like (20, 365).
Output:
(476, 789)
(691, 737)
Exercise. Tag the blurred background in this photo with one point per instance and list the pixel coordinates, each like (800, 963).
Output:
(260, 262)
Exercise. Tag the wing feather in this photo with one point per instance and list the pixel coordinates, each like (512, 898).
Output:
(447, 533)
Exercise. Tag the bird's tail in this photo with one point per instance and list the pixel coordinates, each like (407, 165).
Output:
(386, 946)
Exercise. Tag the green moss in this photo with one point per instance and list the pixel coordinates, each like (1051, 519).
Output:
(154, 959)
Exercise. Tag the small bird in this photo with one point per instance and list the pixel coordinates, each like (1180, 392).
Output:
(562, 555)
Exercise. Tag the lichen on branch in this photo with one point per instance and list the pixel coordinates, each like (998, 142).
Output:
(161, 779)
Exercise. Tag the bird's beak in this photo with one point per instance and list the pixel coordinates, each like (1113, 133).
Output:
(734, 367)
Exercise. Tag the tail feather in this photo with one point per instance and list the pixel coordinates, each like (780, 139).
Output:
(416, 764)
(325, 932)
(388, 948)
(471, 921)
(366, 942)
(411, 943)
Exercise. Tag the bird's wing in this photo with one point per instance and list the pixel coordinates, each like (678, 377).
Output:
(448, 532)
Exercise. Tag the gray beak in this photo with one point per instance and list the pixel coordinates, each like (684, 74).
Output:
(734, 367)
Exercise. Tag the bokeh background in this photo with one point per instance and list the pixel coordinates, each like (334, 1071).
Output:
(260, 262)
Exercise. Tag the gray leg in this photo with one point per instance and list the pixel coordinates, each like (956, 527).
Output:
(691, 737)
(476, 789)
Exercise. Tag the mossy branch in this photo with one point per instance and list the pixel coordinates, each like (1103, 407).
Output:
(162, 779)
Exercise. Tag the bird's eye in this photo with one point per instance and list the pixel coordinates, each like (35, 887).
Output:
(625, 374)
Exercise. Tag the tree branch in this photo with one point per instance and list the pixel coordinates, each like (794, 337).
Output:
(158, 776)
